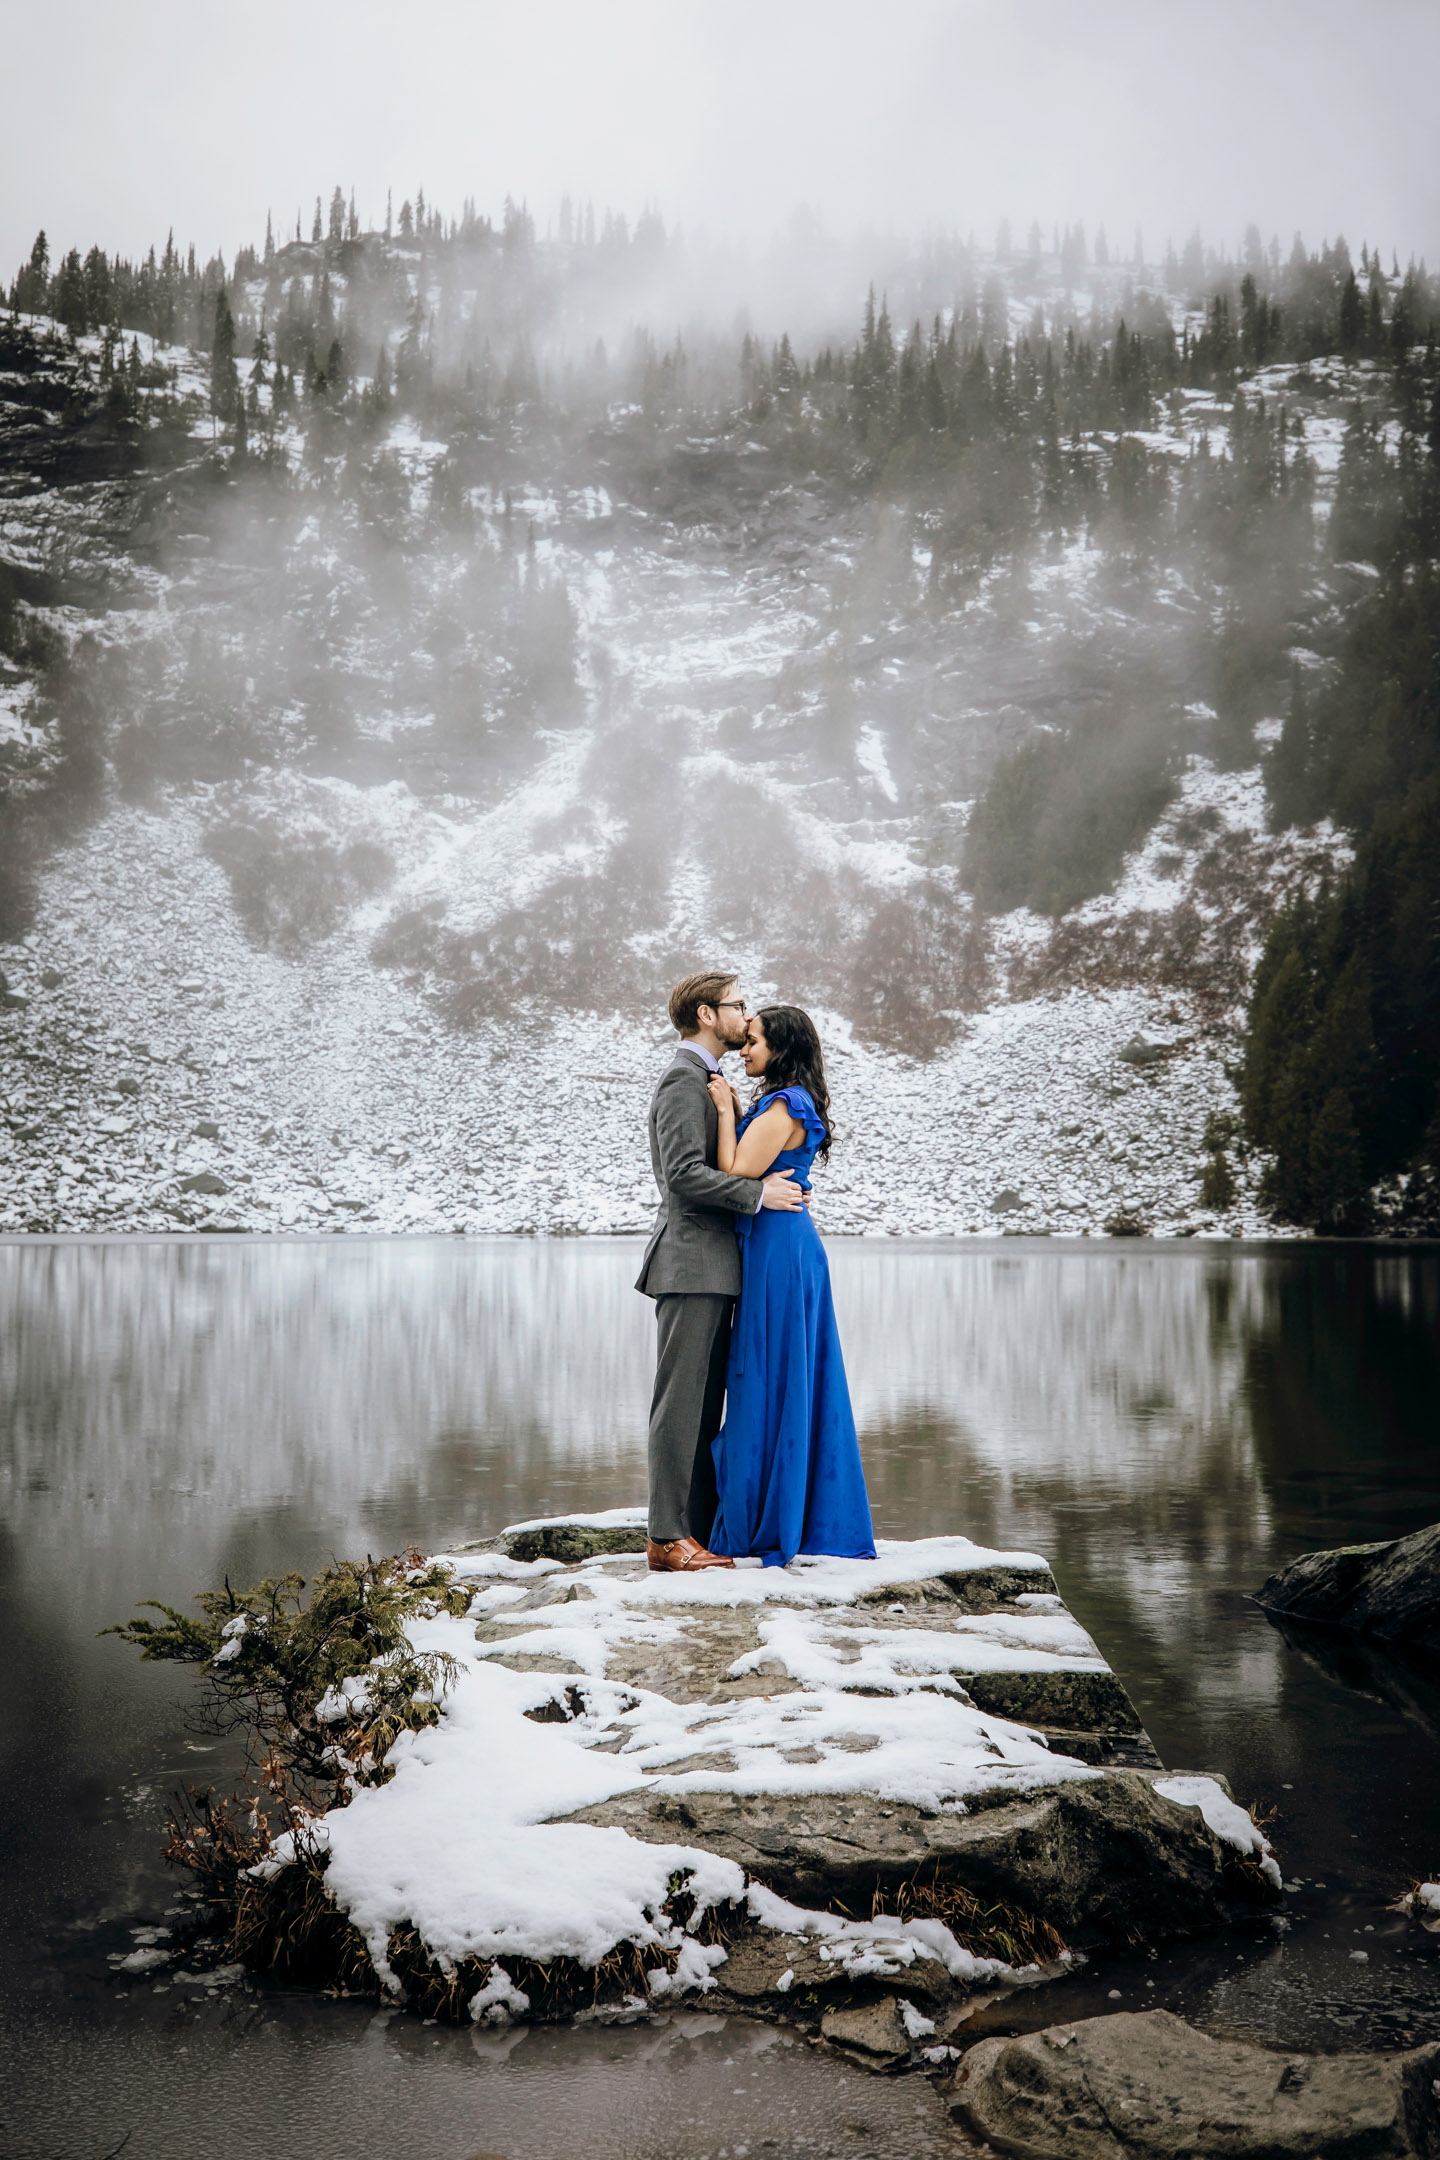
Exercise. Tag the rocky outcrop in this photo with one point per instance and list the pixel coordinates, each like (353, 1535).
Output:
(1149, 2085)
(1390, 1591)
(777, 1788)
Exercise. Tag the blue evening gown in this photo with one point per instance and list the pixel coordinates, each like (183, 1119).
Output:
(787, 1461)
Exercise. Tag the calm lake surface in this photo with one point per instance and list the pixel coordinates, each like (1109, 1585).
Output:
(1167, 1424)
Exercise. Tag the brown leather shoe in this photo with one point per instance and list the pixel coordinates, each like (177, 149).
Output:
(677, 1556)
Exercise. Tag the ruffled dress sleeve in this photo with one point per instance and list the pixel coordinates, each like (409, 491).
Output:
(798, 1103)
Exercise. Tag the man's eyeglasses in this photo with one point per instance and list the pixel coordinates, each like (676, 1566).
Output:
(738, 1003)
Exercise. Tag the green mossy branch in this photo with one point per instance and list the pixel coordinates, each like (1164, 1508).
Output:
(270, 1657)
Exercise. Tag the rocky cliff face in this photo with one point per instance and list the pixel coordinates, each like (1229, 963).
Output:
(366, 791)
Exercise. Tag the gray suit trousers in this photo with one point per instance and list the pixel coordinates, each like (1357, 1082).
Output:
(687, 1411)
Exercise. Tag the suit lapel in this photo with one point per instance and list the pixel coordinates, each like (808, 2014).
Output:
(712, 1115)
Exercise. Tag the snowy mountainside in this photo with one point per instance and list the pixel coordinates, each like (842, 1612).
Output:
(432, 758)
(174, 1074)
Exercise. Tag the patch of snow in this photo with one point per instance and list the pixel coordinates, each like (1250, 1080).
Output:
(620, 1518)
(498, 2000)
(1229, 1822)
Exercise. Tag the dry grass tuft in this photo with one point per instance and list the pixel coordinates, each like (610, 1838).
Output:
(993, 1930)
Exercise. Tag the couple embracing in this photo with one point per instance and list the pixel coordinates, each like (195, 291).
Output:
(752, 1440)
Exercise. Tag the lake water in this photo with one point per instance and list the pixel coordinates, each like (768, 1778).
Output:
(1167, 1424)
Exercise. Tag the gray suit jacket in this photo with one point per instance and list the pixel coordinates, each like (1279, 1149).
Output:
(693, 1246)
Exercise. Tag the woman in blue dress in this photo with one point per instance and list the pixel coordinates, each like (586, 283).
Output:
(787, 1461)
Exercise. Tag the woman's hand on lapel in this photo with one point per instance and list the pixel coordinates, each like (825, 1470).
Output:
(726, 1101)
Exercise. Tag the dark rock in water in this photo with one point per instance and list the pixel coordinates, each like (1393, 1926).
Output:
(50, 978)
(1005, 1203)
(1388, 1590)
(127, 1086)
(1139, 1052)
(204, 1181)
(206, 1129)
(1146, 2083)
(1104, 1859)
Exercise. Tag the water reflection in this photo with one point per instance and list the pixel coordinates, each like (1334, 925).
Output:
(1167, 1425)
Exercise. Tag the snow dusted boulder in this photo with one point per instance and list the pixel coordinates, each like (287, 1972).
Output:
(1097, 1861)
(1390, 1591)
(1147, 2084)
(570, 1538)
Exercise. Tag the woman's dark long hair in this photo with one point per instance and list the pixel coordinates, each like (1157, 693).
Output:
(795, 1061)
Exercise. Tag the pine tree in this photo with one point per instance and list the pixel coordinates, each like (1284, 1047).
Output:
(224, 376)
(67, 302)
(1352, 317)
(410, 360)
(1364, 519)
(99, 288)
(31, 290)
(1287, 764)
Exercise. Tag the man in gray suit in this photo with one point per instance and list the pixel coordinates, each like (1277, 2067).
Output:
(692, 1270)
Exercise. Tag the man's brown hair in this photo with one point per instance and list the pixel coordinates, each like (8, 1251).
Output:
(696, 990)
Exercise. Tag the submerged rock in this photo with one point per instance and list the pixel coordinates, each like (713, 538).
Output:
(1146, 2083)
(873, 2033)
(1390, 1590)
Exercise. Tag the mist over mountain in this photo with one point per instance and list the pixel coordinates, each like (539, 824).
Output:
(416, 640)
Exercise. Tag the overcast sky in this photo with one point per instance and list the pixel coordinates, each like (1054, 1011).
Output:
(122, 120)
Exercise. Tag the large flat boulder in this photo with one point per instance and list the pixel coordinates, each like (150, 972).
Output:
(1148, 2085)
(1391, 1590)
(784, 1789)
